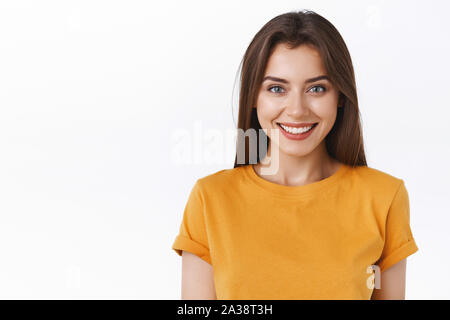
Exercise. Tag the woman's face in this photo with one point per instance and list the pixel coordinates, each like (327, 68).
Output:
(293, 98)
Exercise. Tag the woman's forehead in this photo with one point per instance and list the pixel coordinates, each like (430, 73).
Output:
(301, 63)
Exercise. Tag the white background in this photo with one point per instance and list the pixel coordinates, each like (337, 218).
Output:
(90, 95)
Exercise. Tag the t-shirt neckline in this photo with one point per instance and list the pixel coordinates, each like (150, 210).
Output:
(309, 189)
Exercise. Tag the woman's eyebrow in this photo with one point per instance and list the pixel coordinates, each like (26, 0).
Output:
(307, 81)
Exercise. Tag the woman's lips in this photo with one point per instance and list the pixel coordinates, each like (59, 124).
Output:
(297, 136)
(296, 125)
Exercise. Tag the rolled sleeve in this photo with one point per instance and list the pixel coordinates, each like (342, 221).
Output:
(192, 236)
(399, 242)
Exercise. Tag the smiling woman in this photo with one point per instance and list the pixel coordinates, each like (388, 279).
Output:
(313, 227)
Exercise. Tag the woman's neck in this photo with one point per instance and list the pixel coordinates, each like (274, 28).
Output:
(293, 170)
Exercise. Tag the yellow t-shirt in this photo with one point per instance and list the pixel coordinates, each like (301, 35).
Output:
(317, 241)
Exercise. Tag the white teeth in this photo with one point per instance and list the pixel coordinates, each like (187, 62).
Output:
(296, 130)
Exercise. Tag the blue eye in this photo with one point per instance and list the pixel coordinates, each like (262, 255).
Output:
(274, 87)
(324, 89)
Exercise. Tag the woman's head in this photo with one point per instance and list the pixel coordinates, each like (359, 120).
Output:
(294, 48)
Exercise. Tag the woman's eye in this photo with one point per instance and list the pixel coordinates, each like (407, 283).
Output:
(275, 87)
(324, 89)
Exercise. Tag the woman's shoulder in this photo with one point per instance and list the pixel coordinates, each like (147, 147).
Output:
(223, 177)
(377, 179)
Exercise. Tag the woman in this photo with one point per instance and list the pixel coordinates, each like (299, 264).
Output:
(302, 217)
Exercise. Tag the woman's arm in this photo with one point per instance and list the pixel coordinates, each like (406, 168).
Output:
(197, 278)
(392, 283)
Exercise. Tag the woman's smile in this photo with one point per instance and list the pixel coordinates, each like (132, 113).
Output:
(297, 133)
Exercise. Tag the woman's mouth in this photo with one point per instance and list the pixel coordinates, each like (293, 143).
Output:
(297, 133)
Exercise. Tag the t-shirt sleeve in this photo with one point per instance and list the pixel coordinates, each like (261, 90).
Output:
(399, 242)
(192, 235)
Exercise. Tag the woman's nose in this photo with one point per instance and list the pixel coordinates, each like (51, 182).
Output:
(296, 106)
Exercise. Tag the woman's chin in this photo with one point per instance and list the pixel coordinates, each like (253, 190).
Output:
(295, 152)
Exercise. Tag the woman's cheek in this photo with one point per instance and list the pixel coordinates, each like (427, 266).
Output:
(326, 109)
(267, 111)
(265, 116)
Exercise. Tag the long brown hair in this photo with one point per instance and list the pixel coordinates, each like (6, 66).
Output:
(345, 141)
